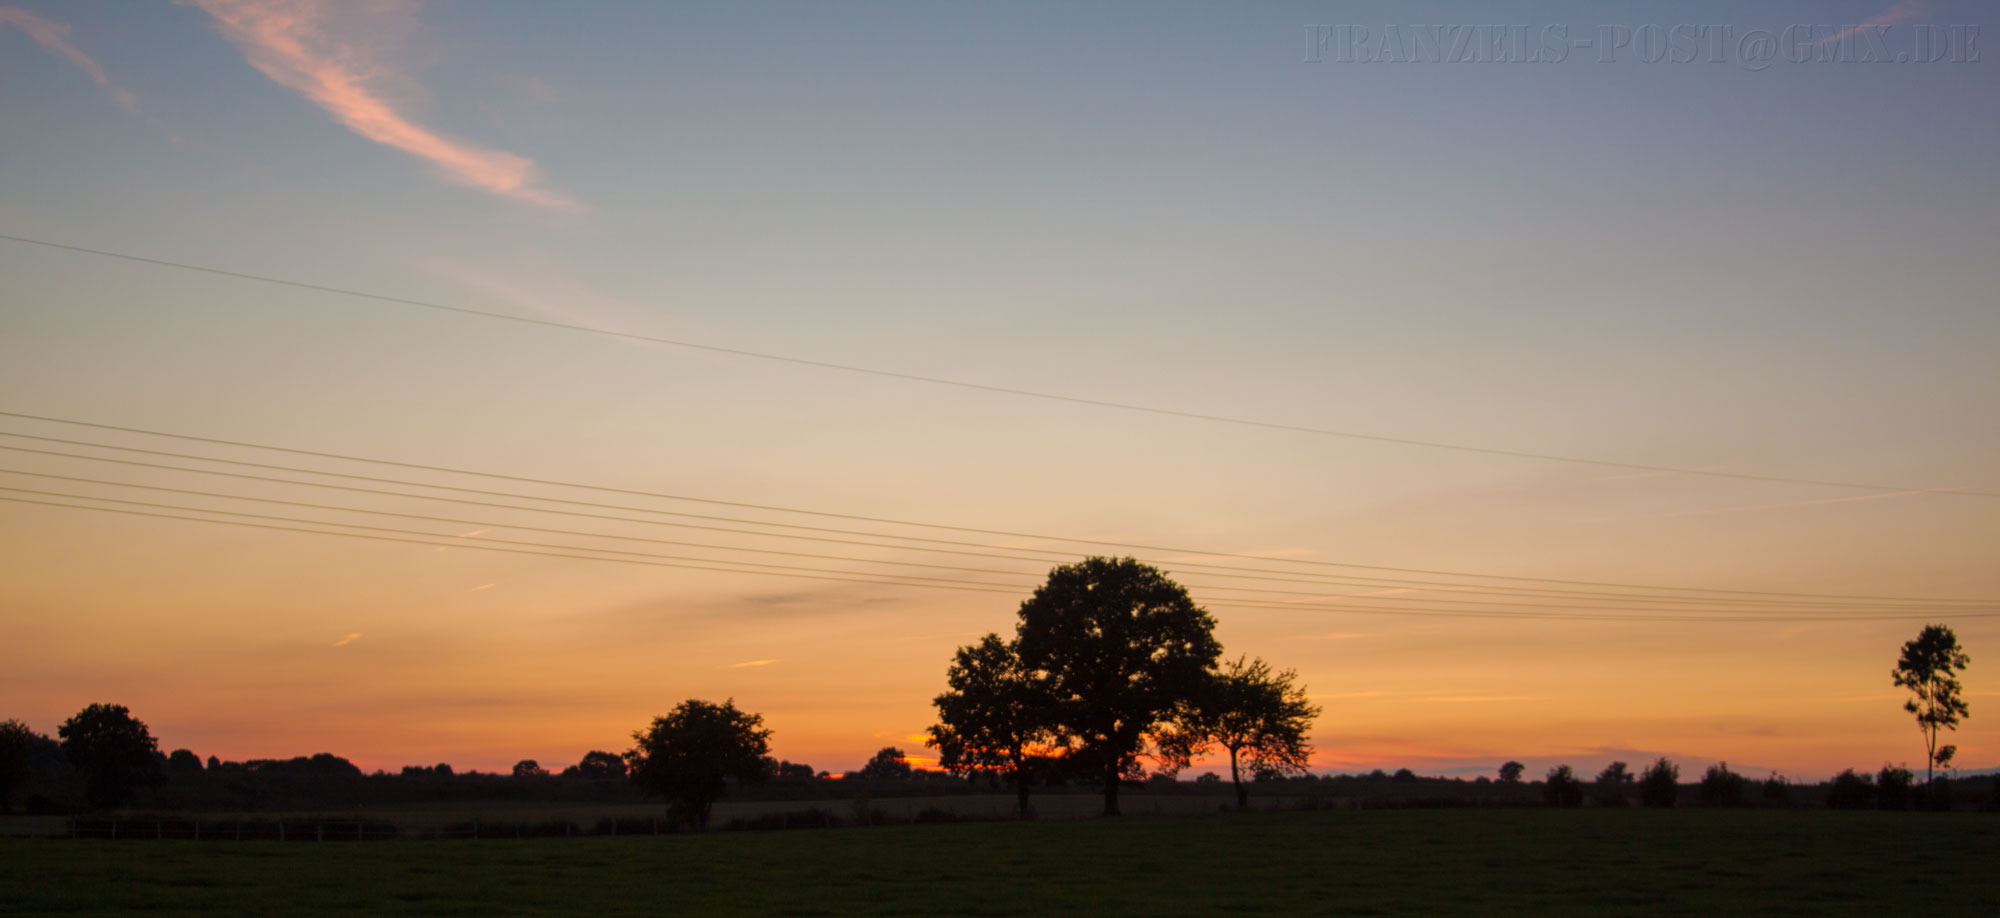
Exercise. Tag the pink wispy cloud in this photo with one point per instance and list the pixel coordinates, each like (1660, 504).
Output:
(1900, 13)
(54, 37)
(291, 42)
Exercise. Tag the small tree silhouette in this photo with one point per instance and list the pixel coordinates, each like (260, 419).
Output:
(1721, 787)
(1562, 789)
(888, 764)
(529, 768)
(1258, 716)
(689, 755)
(1892, 787)
(600, 764)
(115, 752)
(1613, 784)
(1851, 791)
(1929, 669)
(1660, 785)
(1511, 772)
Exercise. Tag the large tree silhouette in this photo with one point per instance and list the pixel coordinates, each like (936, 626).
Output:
(1260, 717)
(1929, 669)
(1121, 648)
(995, 715)
(115, 752)
(689, 755)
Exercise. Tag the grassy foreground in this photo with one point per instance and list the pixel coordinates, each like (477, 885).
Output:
(1346, 863)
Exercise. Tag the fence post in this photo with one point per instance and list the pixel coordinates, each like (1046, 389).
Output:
(319, 832)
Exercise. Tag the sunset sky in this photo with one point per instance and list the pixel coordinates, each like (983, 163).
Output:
(1428, 284)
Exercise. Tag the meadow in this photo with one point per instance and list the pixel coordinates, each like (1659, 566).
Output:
(1459, 861)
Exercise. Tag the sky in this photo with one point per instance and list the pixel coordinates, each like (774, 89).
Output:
(1740, 261)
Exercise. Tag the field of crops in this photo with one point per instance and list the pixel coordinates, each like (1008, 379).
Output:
(1802, 862)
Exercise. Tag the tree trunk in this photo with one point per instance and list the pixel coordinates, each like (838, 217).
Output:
(1021, 795)
(1236, 775)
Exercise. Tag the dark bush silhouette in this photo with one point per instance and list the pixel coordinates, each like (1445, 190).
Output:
(1892, 787)
(599, 764)
(995, 715)
(1258, 716)
(17, 749)
(1122, 649)
(887, 765)
(1929, 668)
(1851, 791)
(1614, 785)
(1562, 789)
(529, 768)
(1660, 785)
(1511, 772)
(689, 755)
(792, 771)
(115, 752)
(1777, 791)
(183, 761)
(1404, 776)
(1720, 786)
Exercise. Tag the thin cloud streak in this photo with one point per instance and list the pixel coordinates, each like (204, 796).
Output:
(288, 40)
(343, 642)
(54, 36)
(749, 663)
(1901, 12)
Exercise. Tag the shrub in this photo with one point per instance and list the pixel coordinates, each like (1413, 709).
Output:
(1851, 791)
(1777, 790)
(1721, 787)
(1892, 787)
(1613, 783)
(1562, 788)
(1660, 785)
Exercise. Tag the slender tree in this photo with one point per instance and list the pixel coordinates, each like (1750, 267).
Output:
(1260, 717)
(1121, 648)
(1661, 784)
(1929, 669)
(995, 715)
(689, 755)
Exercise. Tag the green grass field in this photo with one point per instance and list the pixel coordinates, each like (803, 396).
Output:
(1586, 862)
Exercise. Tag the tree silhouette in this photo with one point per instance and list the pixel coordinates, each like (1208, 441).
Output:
(1121, 648)
(689, 755)
(529, 768)
(1612, 784)
(600, 764)
(1851, 791)
(1720, 786)
(1660, 785)
(1562, 788)
(887, 764)
(1511, 772)
(1892, 787)
(1929, 669)
(183, 761)
(994, 715)
(115, 752)
(1258, 716)
(17, 753)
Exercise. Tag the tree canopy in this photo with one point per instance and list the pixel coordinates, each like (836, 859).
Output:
(1258, 716)
(115, 752)
(600, 764)
(888, 764)
(1511, 772)
(995, 715)
(690, 754)
(1120, 648)
(1929, 669)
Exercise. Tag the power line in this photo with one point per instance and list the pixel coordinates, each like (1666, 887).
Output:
(984, 387)
(564, 551)
(824, 514)
(1555, 595)
(1556, 604)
